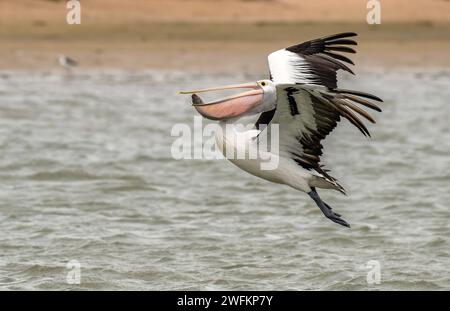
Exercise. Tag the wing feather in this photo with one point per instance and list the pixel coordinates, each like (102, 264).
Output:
(312, 62)
(318, 111)
(309, 104)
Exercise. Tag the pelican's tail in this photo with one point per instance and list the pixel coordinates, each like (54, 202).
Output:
(325, 181)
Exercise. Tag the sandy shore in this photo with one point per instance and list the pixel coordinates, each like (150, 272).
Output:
(192, 35)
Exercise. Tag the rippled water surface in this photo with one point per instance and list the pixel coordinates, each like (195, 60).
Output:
(87, 175)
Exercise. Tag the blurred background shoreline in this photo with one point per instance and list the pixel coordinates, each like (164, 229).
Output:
(224, 37)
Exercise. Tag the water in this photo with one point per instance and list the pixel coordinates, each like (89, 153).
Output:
(87, 175)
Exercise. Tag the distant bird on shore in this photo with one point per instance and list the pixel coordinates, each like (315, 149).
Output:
(67, 62)
(303, 100)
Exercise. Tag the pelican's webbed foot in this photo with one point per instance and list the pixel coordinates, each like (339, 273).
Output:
(326, 209)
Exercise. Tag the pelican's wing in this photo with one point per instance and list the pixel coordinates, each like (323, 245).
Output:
(312, 62)
(307, 114)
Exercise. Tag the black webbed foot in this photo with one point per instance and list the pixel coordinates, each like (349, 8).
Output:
(327, 210)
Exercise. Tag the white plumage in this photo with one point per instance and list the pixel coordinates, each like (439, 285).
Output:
(288, 67)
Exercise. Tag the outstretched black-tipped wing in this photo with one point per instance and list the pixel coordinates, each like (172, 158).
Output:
(306, 114)
(309, 104)
(313, 62)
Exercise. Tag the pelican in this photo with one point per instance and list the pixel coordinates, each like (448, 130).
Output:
(303, 99)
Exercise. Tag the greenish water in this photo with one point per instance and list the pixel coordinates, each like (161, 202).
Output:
(87, 175)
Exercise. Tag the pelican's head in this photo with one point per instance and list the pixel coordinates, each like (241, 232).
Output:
(260, 98)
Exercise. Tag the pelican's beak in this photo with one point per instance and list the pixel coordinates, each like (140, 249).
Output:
(231, 106)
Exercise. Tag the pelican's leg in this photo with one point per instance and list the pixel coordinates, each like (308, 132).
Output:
(326, 209)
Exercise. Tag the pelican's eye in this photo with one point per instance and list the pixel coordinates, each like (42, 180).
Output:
(263, 83)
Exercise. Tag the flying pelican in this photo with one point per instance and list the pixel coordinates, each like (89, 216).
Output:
(303, 99)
